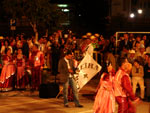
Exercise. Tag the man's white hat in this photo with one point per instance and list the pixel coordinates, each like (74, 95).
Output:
(148, 50)
(1, 37)
(142, 46)
(84, 36)
(131, 51)
(88, 34)
(92, 37)
(96, 34)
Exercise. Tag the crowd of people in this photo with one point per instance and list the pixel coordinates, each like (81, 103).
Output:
(136, 48)
(137, 51)
(132, 68)
(20, 55)
(23, 58)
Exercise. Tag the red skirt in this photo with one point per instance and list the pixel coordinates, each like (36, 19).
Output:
(23, 82)
(36, 77)
(8, 84)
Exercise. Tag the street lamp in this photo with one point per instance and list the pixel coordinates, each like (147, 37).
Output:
(132, 15)
(140, 11)
(62, 5)
(65, 10)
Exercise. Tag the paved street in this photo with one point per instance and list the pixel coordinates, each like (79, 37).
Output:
(27, 102)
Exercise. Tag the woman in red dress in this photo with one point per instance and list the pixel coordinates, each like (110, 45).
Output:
(105, 98)
(22, 78)
(8, 70)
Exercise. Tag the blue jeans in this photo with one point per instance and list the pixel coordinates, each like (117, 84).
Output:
(72, 83)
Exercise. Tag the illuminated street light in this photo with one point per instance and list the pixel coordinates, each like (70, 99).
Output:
(65, 10)
(62, 5)
(140, 11)
(132, 15)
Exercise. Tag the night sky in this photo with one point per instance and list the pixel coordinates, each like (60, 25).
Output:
(96, 13)
(90, 15)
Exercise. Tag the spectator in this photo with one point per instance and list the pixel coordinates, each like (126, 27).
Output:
(138, 40)
(147, 55)
(25, 48)
(147, 79)
(145, 41)
(55, 57)
(14, 46)
(125, 45)
(137, 47)
(140, 55)
(137, 77)
(111, 45)
(148, 49)
(131, 56)
(141, 51)
(5, 47)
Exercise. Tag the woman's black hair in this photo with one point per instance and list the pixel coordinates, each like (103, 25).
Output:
(121, 61)
(36, 45)
(6, 50)
(106, 64)
(68, 52)
(136, 60)
(7, 42)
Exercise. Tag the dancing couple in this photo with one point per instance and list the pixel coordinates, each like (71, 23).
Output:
(115, 88)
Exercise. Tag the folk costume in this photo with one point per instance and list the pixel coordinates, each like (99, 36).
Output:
(36, 60)
(22, 77)
(105, 98)
(8, 70)
(123, 92)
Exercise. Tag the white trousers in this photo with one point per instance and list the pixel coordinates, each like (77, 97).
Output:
(140, 81)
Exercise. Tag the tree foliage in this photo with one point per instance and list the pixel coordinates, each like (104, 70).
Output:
(38, 12)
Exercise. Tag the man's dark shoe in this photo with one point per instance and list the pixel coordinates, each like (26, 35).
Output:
(80, 106)
(148, 99)
(66, 105)
(144, 99)
(32, 90)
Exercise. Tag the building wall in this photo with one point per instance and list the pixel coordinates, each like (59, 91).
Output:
(124, 7)
(120, 7)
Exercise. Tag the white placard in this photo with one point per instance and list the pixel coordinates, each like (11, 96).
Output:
(88, 68)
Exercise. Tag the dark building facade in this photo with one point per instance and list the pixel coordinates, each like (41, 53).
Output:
(121, 12)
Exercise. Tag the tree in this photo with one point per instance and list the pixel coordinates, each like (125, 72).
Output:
(38, 12)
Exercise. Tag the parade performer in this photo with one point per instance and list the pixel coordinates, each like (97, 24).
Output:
(123, 89)
(8, 70)
(87, 46)
(36, 62)
(105, 98)
(22, 78)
